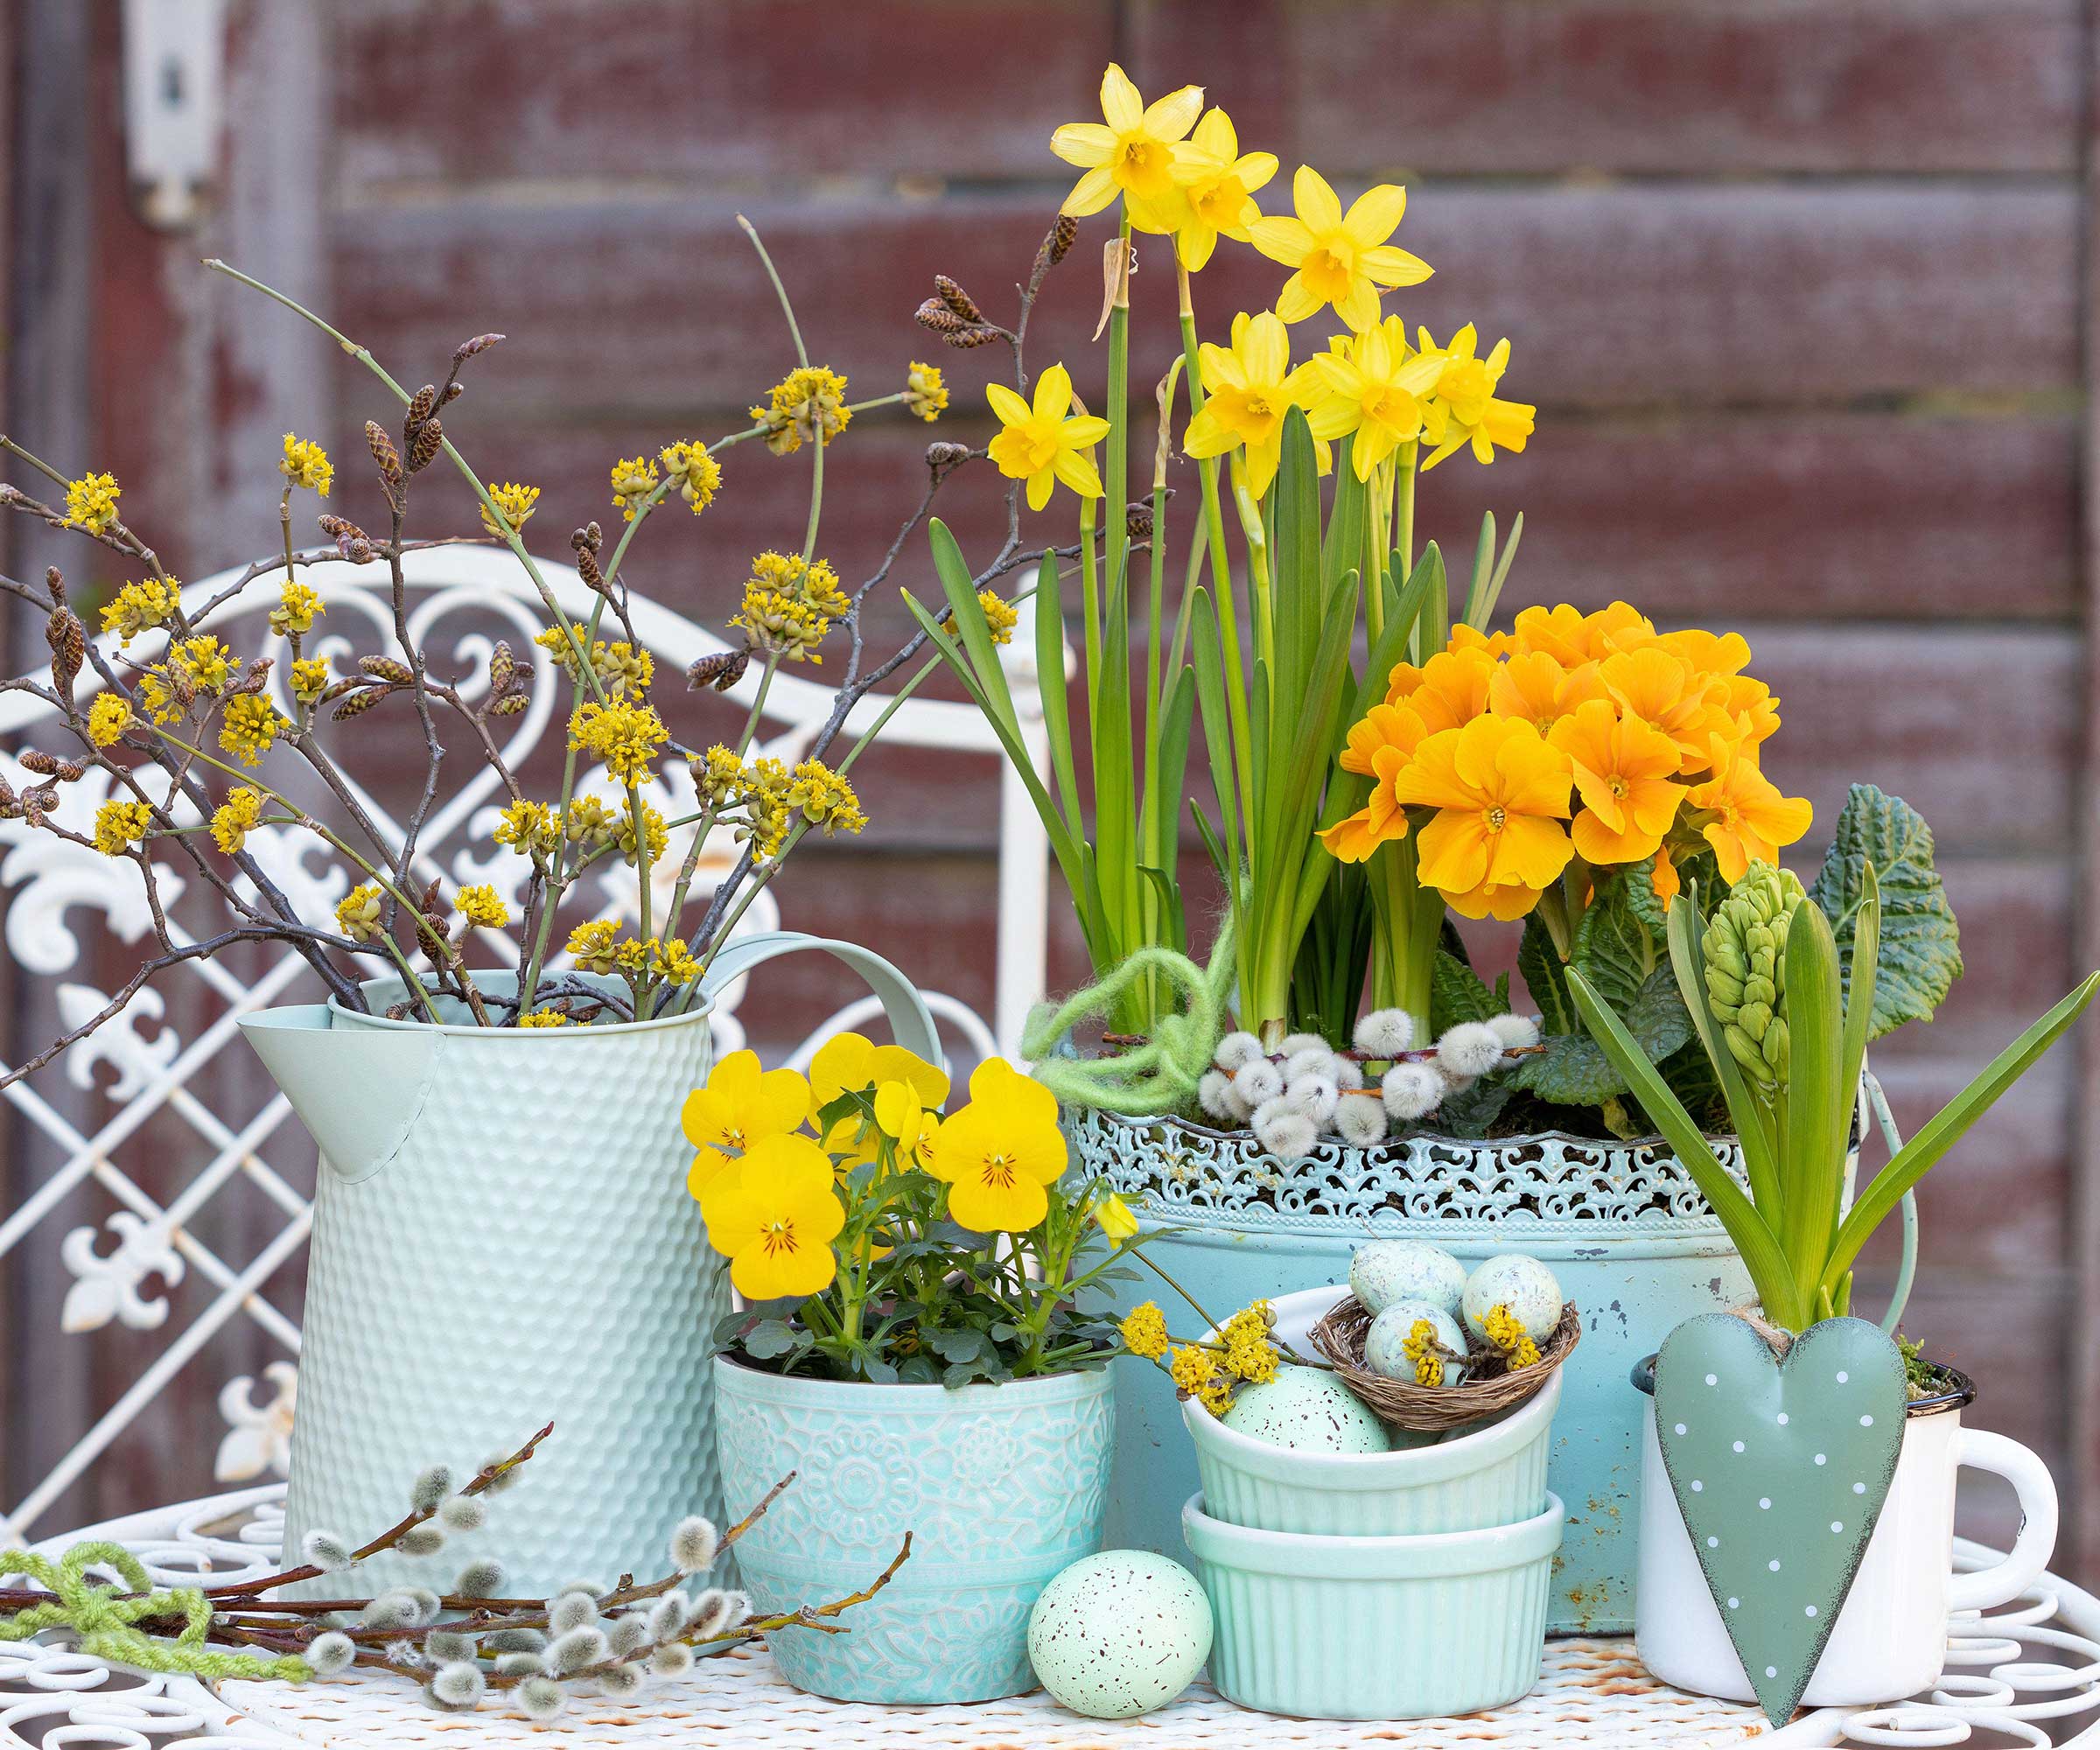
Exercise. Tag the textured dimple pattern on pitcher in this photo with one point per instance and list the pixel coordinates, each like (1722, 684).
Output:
(529, 1255)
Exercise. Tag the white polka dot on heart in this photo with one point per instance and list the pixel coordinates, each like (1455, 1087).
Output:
(1713, 1379)
(1680, 1427)
(1774, 1564)
(1837, 1524)
(1821, 1458)
(1783, 1419)
(1771, 1670)
(1738, 1446)
(1765, 1502)
(1697, 1485)
(1735, 1604)
(1858, 1489)
(1843, 1376)
(1809, 1610)
(1866, 1421)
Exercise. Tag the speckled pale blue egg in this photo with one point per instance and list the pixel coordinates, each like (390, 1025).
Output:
(1119, 1634)
(1383, 1350)
(1309, 1410)
(1387, 1270)
(1521, 1283)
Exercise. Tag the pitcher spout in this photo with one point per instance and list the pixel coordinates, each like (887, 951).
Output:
(357, 1091)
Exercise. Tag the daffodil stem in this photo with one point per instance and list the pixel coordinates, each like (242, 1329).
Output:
(1089, 597)
(1407, 458)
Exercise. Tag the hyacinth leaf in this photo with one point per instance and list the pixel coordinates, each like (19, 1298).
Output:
(1859, 996)
(1918, 1156)
(1754, 1238)
(1816, 1105)
(1920, 947)
(1746, 1113)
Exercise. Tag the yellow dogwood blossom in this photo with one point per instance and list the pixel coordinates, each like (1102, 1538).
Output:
(1342, 260)
(250, 727)
(1046, 442)
(118, 825)
(297, 606)
(108, 719)
(699, 475)
(236, 817)
(1130, 153)
(808, 404)
(624, 734)
(1249, 387)
(141, 606)
(517, 503)
(91, 501)
(1144, 1330)
(925, 392)
(306, 464)
(482, 906)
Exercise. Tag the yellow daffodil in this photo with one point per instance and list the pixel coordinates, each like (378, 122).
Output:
(1380, 746)
(1047, 442)
(1000, 1151)
(1500, 793)
(1464, 408)
(1372, 387)
(1623, 768)
(1217, 182)
(1250, 386)
(1750, 818)
(1341, 259)
(740, 1105)
(852, 1063)
(902, 1115)
(774, 1214)
(1130, 153)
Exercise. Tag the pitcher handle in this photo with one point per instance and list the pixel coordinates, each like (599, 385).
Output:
(911, 1021)
(2003, 1581)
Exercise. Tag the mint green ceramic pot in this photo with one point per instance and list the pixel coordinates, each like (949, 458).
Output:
(1376, 1628)
(502, 1238)
(1001, 1488)
(1623, 1225)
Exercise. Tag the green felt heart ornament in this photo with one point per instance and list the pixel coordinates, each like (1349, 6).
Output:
(1780, 1467)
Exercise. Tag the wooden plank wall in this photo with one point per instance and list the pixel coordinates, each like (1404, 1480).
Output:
(1801, 291)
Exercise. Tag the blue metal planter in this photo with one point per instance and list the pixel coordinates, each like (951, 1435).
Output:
(1621, 1224)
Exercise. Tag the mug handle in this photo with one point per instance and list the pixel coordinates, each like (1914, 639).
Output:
(2005, 1580)
(911, 1021)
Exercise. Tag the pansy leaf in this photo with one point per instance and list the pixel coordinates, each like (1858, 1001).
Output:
(769, 1339)
(1920, 947)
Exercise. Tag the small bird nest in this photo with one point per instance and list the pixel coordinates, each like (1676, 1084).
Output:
(1489, 1387)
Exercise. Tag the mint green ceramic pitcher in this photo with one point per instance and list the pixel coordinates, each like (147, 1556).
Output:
(502, 1238)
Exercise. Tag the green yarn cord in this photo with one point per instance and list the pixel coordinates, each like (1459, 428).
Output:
(102, 1619)
(1160, 1075)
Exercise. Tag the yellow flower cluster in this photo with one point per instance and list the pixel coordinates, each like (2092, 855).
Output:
(925, 392)
(1250, 1356)
(1143, 1329)
(698, 475)
(632, 482)
(825, 798)
(155, 695)
(620, 666)
(306, 464)
(1195, 1372)
(657, 832)
(1000, 617)
(529, 829)
(789, 605)
(624, 734)
(236, 818)
(809, 402)
(594, 947)
(119, 825)
(1590, 736)
(1420, 1347)
(139, 607)
(108, 719)
(517, 503)
(250, 727)
(309, 679)
(543, 1018)
(1501, 1329)
(357, 913)
(296, 606)
(206, 664)
(91, 501)
(482, 906)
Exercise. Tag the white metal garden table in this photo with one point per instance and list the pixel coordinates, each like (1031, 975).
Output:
(2029, 1675)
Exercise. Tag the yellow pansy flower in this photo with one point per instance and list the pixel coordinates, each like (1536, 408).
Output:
(1341, 259)
(1250, 387)
(1047, 442)
(740, 1105)
(1500, 793)
(852, 1063)
(1373, 388)
(901, 1115)
(774, 1214)
(1217, 182)
(1130, 153)
(1115, 1218)
(1465, 408)
(999, 1152)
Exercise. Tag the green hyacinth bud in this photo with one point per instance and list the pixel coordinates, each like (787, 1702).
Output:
(1745, 952)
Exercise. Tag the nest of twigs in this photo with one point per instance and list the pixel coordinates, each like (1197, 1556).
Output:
(1489, 1387)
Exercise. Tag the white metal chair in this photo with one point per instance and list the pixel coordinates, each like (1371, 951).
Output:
(58, 898)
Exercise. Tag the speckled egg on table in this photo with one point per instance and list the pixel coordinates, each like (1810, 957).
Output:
(1384, 1344)
(1521, 1283)
(1120, 1634)
(1309, 1410)
(1386, 1270)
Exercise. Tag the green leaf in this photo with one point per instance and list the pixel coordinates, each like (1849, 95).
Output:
(1920, 947)
(1812, 1152)
(1539, 961)
(1624, 964)
(1456, 994)
(1575, 1070)
(1470, 1115)
(1688, 962)
(769, 1338)
(1050, 672)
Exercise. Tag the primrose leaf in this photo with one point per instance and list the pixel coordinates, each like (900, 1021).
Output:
(1920, 947)
(1627, 966)
(1456, 994)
